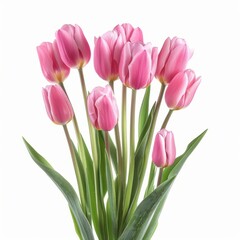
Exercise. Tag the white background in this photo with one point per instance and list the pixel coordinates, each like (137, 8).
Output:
(204, 201)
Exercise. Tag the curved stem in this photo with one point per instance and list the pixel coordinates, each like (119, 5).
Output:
(160, 176)
(91, 130)
(76, 169)
(165, 122)
(146, 154)
(124, 131)
(119, 149)
(131, 158)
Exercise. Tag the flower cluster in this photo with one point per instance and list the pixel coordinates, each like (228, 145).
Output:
(119, 54)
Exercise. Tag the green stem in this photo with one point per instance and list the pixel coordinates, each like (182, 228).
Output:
(146, 154)
(119, 150)
(165, 122)
(78, 134)
(160, 176)
(124, 131)
(91, 130)
(76, 169)
(132, 149)
(99, 208)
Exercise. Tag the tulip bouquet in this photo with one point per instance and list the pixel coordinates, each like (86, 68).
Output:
(123, 160)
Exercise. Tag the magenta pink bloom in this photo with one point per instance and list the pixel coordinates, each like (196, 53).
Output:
(129, 33)
(181, 89)
(172, 59)
(137, 65)
(57, 104)
(53, 68)
(102, 108)
(107, 53)
(164, 149)
(73, 46)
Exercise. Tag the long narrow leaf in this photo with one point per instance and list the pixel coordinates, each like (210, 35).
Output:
(173, 170)
(66, 188)
(143, 113)
(168, 173)
(139, 153)
(139, 223)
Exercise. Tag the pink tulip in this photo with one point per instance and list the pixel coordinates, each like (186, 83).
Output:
(181, 89)
(137, 65)
(102, 108)
(129, 33)
(164, 150)
(57, 104)
(53, 68)
(73, 46)
(172, 59)
(107, 53)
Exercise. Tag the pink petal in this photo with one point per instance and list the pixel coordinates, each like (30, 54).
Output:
(107, 118)
(102, 58)
(162, 57)
(82, 44)
(139, 70)
(159, 154)
(67, 48)
(176, 89)
(125, 60)
(170, 148)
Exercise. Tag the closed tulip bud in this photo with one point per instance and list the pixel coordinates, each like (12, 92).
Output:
(102, 108)
(57, 104)
(172, 59)
(181, 89)
(107, 53)
(129, 33)
(53, 68)
(164, 150)
(137, 65)
(73, 46)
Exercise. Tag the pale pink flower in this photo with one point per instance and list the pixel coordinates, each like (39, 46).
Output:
(107, 53)
(164, 149)
(73, 46)
(137, 65)
(172, 59)
(129, 33)
(181, 89)
(57, 104)
(102, 108)
(53, 68)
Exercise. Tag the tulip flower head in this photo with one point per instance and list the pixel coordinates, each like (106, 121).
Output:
(107, 53)
(137, 65)
(181, 89)
(57, 104)
(172, 59)
(164, 150)
(102, 108)
(129, 33)
(73, 46)
(53, 68)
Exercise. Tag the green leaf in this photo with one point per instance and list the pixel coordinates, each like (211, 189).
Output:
(169, 173)
(75, 225)
(110, 184)
(139, 153)
(154, 221)
(151, 179)
(173, 170)
(90, 188)
(139, 223)
(66, 188)
(143, 113)
(113, 152)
